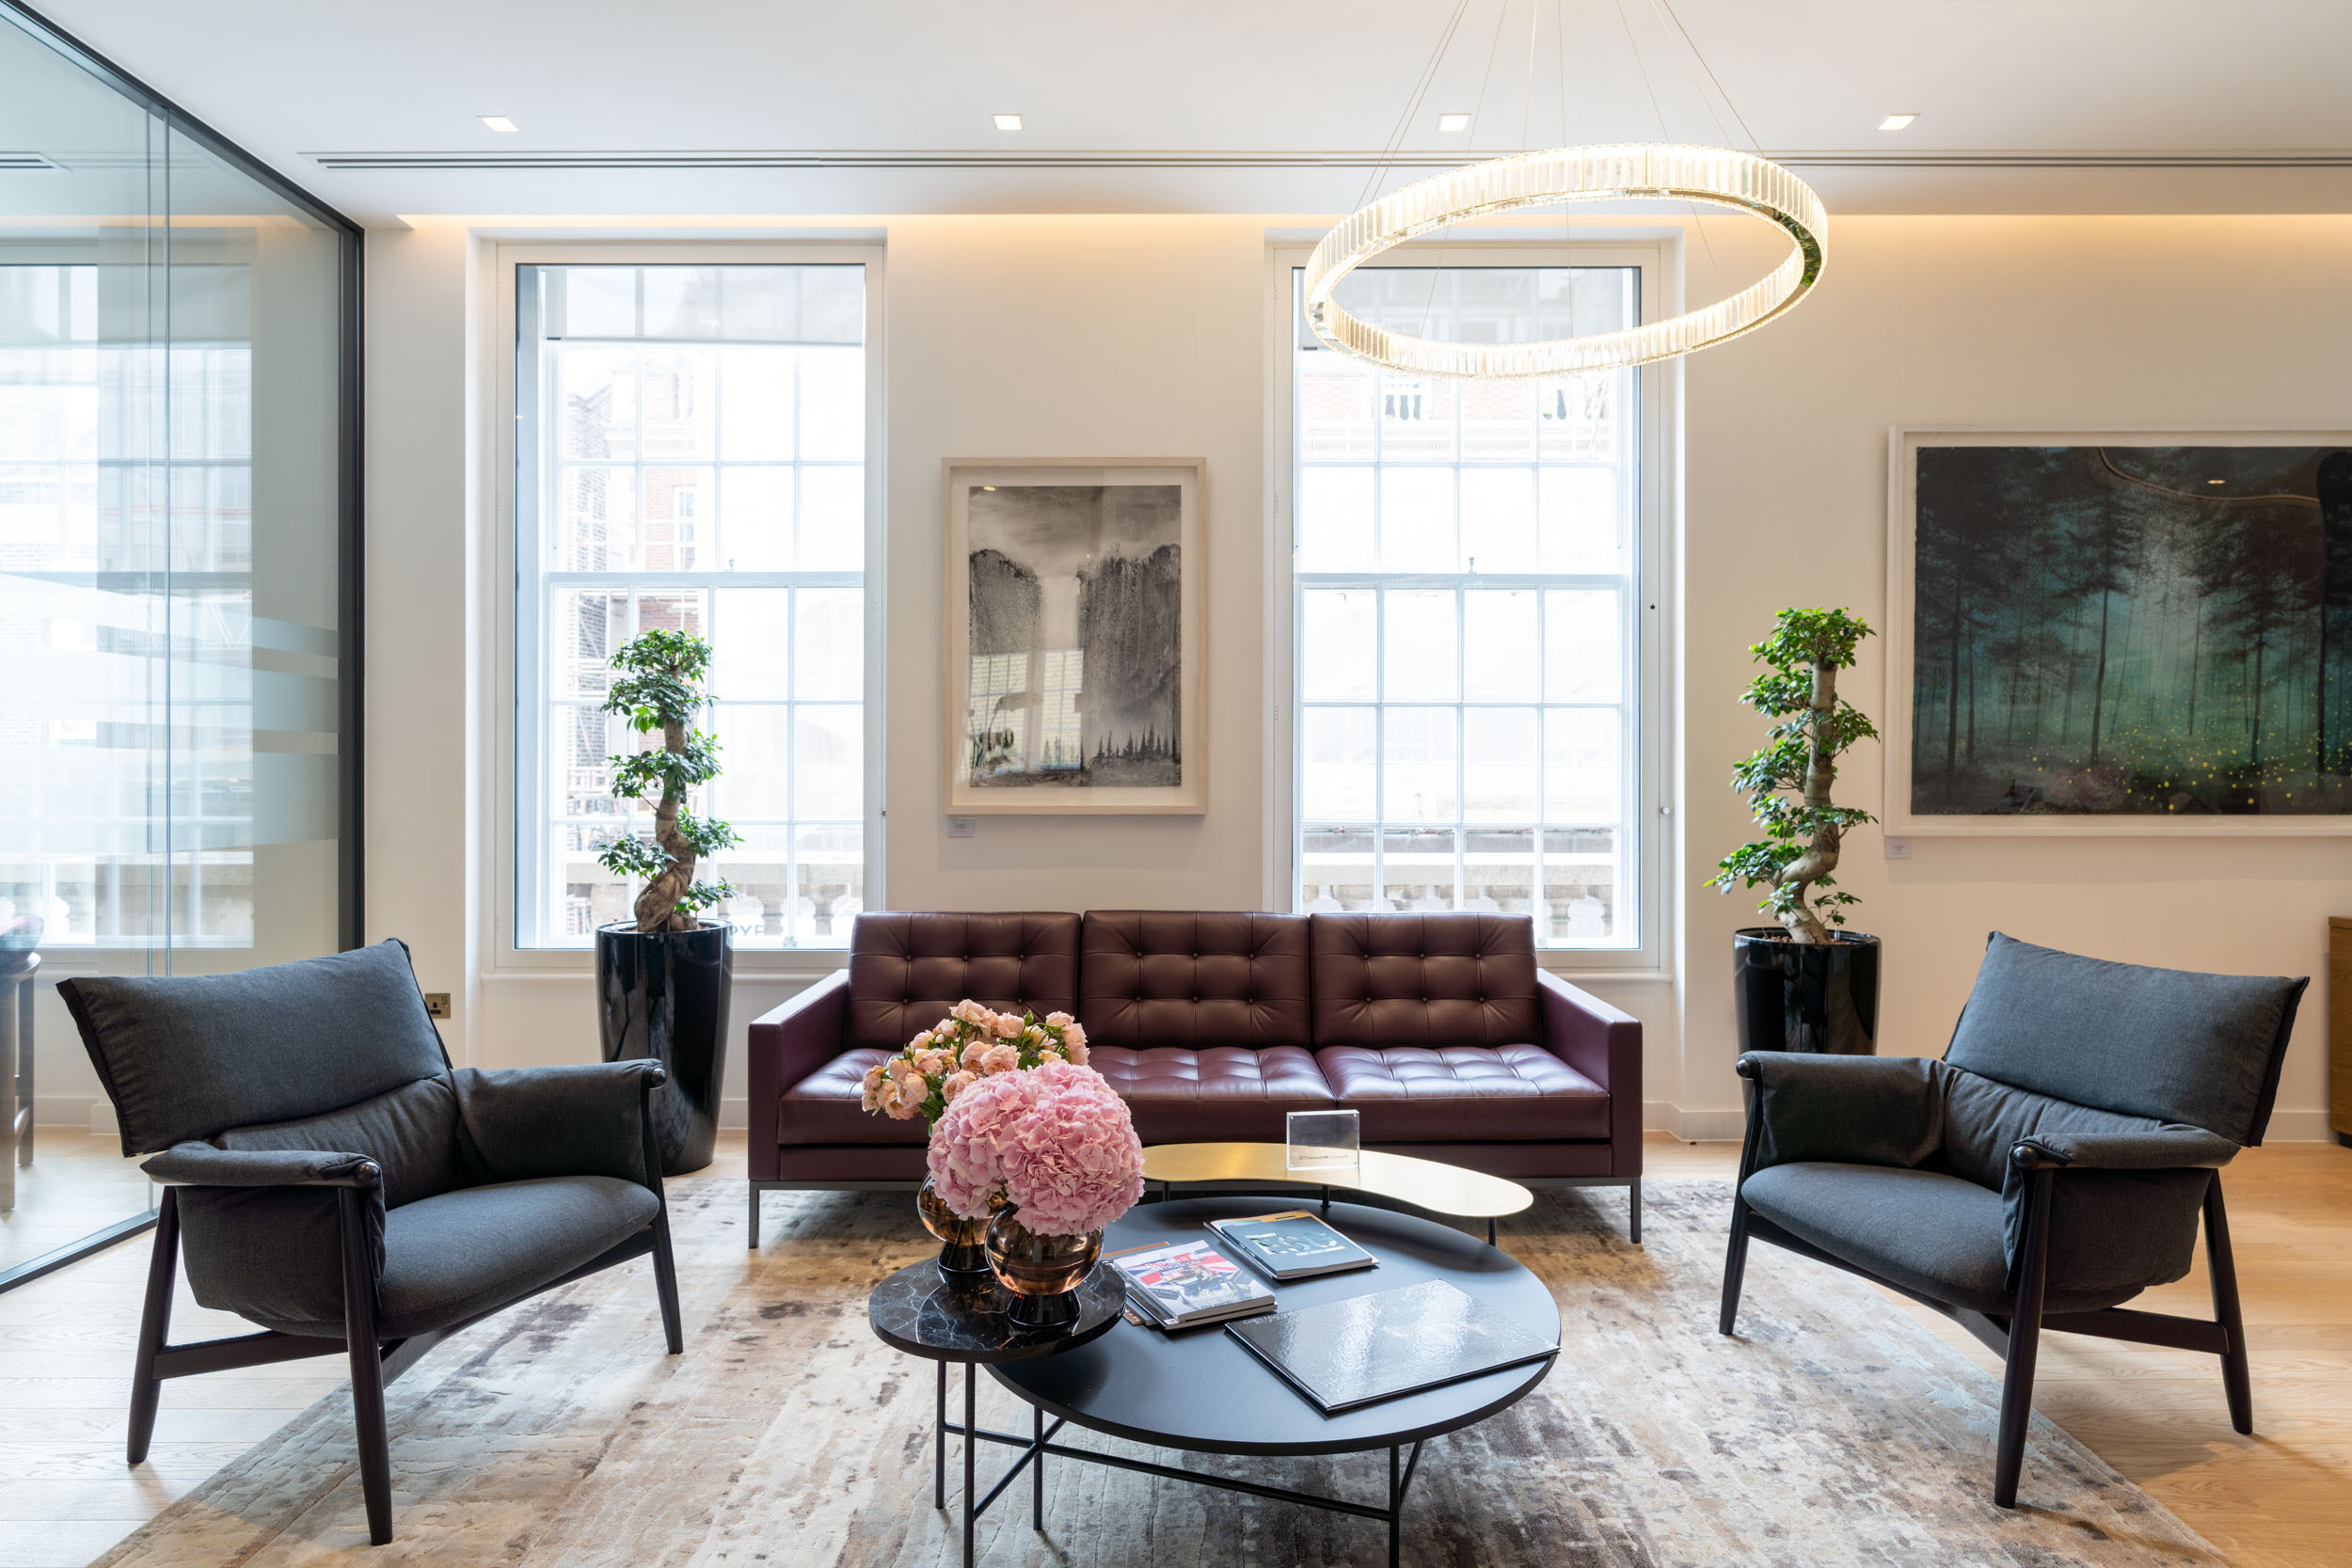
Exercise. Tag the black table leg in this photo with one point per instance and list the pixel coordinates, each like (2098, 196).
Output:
(1037, 1479)
(939, 1442)
(1396, 1506)
(1490, 1232)
(971, 1448)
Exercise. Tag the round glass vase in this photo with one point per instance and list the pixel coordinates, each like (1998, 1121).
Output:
(962, 1253)
(1038, 1272)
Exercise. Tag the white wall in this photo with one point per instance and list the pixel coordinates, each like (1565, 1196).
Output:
(1148, 336)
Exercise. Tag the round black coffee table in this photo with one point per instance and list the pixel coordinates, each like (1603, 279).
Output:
(922, 1312)
(1199, 1390)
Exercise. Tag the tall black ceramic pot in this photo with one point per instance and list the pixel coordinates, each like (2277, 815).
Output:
(1806, 996)
(663, 995)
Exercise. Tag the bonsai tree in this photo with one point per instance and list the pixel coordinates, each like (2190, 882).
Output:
(660, 687)
(1787, 782)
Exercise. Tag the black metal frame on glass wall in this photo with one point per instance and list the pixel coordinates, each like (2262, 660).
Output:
(349, 532)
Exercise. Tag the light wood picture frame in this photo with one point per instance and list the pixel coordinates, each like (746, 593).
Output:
(1072, 627)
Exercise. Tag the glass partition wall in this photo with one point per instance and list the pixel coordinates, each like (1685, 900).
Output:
(178, 525)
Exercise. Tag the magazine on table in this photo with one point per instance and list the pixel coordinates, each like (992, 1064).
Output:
(1179, 1284)
(1290, 1244)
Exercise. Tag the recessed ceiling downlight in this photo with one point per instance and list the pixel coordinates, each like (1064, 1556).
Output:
(1897, 122)
(1452, 124)
(1006, 122)
(501, 123)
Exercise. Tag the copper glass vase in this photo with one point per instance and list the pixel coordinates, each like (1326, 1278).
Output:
(1040, 1273)
(962, 1256)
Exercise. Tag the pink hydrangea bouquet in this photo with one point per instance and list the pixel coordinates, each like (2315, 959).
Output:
(970, 1044)
(1056, 1142)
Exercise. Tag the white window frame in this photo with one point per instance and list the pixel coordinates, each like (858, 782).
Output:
(507, 617)
(1657, 504)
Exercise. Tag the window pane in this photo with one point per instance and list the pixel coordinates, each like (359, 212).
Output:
(755, 519)
(828, 774)
(1336, 778)
(755, 404)
(833, 404)
(1498, 421)
(751, 650)
(597, 524)
(681, 302)
(598, 302)
(1336, 636)
(1581, 882)
(1336, 520)
(833, 519)
(1416, 419)
(1501, 656)
(597, 399)
(1417, 519)
(755, 760)
(676, 521)
(1418, 782)
(1416, 869)
(1498, 871)
(586, 628)
(1582, 649)
(1335, 423)
(1418, 655)
(829, 887)
(1498, 520)
(676, 406)
(830, 654)
(1581, 525)
(1500, 749)
(1581, 764)
(1335, 870)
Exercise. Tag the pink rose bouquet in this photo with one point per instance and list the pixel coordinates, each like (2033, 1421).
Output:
(1056, 1141)
(972, 1044)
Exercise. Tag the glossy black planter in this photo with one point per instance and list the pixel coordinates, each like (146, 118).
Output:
(663, 995)
(1806, 996)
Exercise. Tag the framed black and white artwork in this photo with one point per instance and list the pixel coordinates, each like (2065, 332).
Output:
(2108, 633)
(1074, 625)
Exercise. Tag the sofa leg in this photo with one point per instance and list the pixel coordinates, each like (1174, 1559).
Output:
(2237, 1367)
(2025, 1342)
(367, 1370)
(1735, 1264)
(754, 1244)
(163, 1271)
(1634, 1211)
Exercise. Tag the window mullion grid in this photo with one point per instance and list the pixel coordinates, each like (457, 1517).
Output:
(1461, 696)
(1540, 905)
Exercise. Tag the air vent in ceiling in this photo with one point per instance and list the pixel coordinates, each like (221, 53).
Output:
(28, 163)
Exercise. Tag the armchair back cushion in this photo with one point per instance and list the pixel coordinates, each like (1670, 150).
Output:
(189, 1057)
(1153, 979)
(2164, 1043)
(411, 1133)
(906, 970)
(1431, 979)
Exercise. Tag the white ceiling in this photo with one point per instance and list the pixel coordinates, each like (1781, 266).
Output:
(1997, 81)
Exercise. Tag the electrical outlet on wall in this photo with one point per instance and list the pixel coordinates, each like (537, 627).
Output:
(1898, 849)
(963, 827)
(437, 1004)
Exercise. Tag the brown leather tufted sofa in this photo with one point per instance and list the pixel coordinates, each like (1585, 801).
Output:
(1440, 1029)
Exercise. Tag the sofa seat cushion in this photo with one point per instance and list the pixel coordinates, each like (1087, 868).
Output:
(823, 1107)
(1450, 1093)
(1938, 1235)
(1184, 1096)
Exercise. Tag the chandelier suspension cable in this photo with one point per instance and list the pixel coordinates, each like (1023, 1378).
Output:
(1420, 89)
(1478, 118)
(1698, 218)
(1754, 145)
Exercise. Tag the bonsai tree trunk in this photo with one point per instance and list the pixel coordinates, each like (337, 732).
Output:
(656, 906)
(1821, 856)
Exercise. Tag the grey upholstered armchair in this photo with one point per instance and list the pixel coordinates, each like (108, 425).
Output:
(2051, 1166)
(335, 1182)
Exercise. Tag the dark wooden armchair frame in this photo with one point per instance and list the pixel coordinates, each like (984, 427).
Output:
(2016, 1337)
(375, 1361)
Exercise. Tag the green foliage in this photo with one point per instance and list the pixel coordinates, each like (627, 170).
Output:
(659, 689)
(1787, 781)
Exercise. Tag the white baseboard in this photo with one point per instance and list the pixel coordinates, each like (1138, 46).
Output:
(734, 1112)
(1659, 1116)
(2299, 1127)
(79, 1113)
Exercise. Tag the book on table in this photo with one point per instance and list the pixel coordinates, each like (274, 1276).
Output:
(1342, 1355)
(1292, 1244)
(1185, 1283)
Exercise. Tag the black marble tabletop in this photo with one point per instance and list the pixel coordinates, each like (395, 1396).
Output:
(918, 1311)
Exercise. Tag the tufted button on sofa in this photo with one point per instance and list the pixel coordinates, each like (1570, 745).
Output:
(1440, 1029)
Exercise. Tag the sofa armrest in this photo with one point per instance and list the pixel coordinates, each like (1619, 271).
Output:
(786, 1045)
(1605, 1045)
(579, 1120)
(201, 1165)
(2173, 1147)
(1856, 1110)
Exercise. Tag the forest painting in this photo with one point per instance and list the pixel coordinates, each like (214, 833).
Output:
(2123, 630)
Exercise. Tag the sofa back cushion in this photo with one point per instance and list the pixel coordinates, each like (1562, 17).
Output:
(1425, 979)
(411, 1133)
(1175, 977)
(906, 970)
(191, 1056)
(2166, 1043)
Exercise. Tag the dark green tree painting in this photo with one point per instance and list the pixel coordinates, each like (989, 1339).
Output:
(2132, 630)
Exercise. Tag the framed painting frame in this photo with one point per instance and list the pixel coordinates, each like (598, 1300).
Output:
(1900, 816)
(1133, 742)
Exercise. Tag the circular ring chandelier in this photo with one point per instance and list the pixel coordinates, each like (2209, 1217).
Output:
(1720, 177)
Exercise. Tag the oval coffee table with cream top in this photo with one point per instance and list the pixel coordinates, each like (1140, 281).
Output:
(1429, 1185)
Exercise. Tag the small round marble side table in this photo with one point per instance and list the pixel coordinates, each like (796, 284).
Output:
(921, 1312)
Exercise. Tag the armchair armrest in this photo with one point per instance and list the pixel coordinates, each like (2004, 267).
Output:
(2171, 1148)
(1860, 1110)
(1605, 1045)
(201, 1165)
(786, 1044)
(581, 1119)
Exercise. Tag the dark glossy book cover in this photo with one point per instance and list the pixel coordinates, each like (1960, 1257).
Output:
(1292, 1244)
(1344, 1353)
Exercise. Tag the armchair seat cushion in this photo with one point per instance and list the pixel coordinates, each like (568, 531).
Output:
(1940, 1236)
(1177, 1095)
(1455, 1093)
(824, 1107)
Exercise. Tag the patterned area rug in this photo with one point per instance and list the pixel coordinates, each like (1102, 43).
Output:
(1833, 1432)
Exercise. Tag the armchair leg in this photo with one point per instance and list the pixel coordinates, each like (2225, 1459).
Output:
(1735, 1264)
(2237, 1367)
(665, 1281)
(2024, 1342)
(367, 1370)
(154, 1324)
